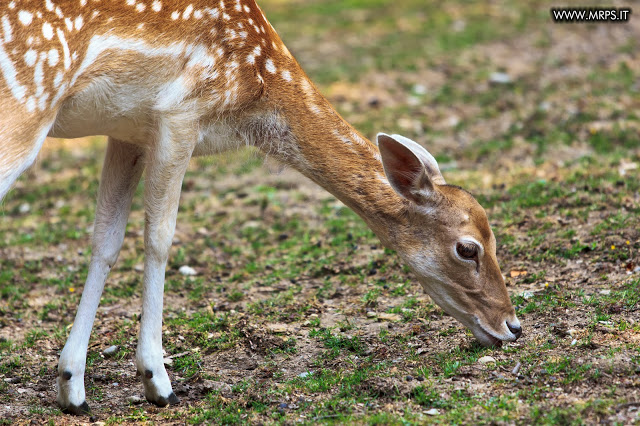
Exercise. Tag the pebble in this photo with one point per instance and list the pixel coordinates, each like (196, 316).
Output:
(371, 314)
(516, 369)
(134, 399)
(500, 78)
(432, 412)
(389, 317)
(305, 374)
(486, 359)
(409, 378)
(527, 295)
(224, 388)
(110, 351)
(420, 89)
(187, 270)
(12, 380)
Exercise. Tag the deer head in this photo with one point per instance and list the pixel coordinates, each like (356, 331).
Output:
(448, 243)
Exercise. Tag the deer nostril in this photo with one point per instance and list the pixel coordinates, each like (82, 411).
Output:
(515, 329)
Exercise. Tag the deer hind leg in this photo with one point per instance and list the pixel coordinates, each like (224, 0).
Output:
(123, 166)
(168, 161)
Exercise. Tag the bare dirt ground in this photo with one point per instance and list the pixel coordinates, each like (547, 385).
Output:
(297, 314)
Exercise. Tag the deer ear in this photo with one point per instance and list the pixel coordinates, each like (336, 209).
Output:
(410, 169)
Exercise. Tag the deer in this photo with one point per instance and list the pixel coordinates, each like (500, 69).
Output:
(168, 80)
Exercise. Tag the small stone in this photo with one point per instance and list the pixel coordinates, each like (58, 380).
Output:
(605, 292)
(544, 106)
(527, 295)
(574, 342)
(371, 314)
(283, 406)
(224, 389)
(389, 317)
(305, 374)
(134, 399)
(432, 412)
(24, 208)
(516, 369)
(12, 380)
(167, 361)
(277, 328)
(110, 351)
(486, 359)
(500, 78)
(409, 378)
(420, 89)
(187, 270)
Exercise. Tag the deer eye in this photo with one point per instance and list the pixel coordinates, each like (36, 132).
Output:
(468, 251)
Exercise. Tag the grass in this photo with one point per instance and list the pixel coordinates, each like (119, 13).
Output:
(285, 320)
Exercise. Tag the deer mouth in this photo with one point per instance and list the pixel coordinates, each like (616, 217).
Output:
(485, 338)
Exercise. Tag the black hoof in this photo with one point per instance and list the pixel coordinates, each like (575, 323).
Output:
(81, 410)
(163, 402)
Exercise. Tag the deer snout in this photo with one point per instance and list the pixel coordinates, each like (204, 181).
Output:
(515, 328)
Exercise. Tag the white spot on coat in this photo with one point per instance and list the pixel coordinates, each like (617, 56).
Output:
(140, 7)
(214, 13)
(31, 104)
(77, 23)
(7, 29)
(286, 75)
(47, 31)
(57, 79)
(30, 57)
(65, 49)
(187, 12)
(42, 101)
(11, 76)
(25, 17)
(270, 66)
(156, 6)
(38, 78)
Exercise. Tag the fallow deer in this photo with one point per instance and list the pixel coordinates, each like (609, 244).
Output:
(166, 80)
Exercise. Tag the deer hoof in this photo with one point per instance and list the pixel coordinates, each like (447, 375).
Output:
(161, 401)
(78, 410)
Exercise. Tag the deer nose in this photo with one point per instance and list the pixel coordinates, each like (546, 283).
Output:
(515, 329)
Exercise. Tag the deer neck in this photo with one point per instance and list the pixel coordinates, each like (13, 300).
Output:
(320, 144)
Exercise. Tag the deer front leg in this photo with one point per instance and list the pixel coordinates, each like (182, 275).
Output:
(168, 161)
(123, 166)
